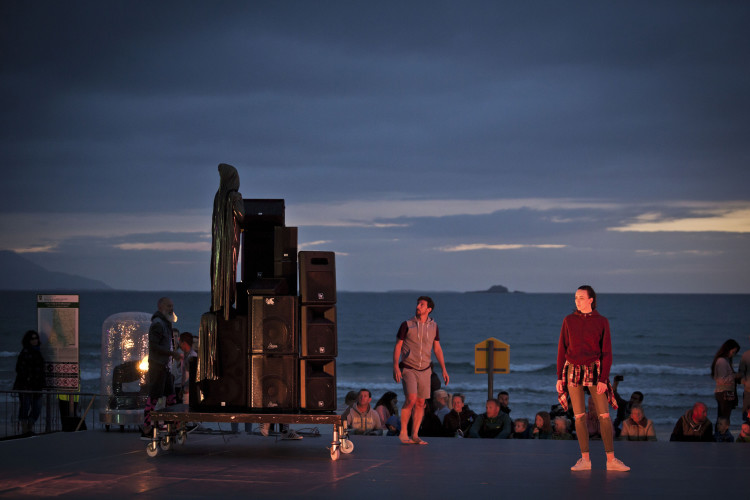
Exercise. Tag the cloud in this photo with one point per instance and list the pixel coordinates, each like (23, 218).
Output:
(716, 220)
(167, 246)
(468, 247)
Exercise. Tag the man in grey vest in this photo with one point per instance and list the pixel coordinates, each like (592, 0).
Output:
(417, 338)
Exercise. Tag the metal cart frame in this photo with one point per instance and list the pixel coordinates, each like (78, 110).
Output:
(177, 416)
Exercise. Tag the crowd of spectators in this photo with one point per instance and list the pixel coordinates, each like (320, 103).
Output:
(449, 415)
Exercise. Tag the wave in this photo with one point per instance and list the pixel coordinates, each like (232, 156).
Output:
(6, 354)
(632, 368)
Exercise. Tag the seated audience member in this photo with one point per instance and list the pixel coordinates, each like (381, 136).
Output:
(431, 426)
(560, 429)
(542, 426)
(492, 424)
(387, 407)
(693, 425)
(393, 425)
(503, 399)
(349, 400)
(361, 418)
(440, 401)
(637, 427)
(521, 429)
(592, 421)
(744, 436)
(623, 407)
(458, 421)
(722, 434)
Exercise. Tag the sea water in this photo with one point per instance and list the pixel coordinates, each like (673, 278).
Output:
(663, 344)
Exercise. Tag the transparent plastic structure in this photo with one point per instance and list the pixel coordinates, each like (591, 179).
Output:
(124, 368)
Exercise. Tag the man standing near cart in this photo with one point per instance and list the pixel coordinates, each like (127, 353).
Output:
(417, 338)
(160, 353)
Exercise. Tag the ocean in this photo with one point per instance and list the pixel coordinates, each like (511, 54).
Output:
(663, 344)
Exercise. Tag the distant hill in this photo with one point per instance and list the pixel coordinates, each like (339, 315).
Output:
(495, 289)
(18, 273)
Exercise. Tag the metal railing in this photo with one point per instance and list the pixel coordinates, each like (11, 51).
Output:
(74, 411)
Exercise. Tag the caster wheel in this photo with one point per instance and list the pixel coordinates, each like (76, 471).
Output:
(335, 453)
(181, 438)
(152, 449)
(165, 443)
(347, 446)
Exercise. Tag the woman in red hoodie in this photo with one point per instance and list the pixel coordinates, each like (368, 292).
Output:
(584, 358)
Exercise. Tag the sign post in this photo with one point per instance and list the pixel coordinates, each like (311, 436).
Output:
(491, 356)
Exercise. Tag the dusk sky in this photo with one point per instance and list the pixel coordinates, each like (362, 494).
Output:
(432, 145)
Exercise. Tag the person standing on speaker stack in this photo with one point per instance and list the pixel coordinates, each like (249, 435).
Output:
(160, 355)
(417, 338)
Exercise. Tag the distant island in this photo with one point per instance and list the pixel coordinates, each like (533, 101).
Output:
(495, 289)
(19, 273)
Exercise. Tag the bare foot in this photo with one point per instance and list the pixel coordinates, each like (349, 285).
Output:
(418, 440)
(405, 439)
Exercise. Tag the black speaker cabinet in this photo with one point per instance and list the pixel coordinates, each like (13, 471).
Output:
(257, 254)
(285, 257)
(274, 324)
(230, 389)
(263, 213)
(318, 331)
(273, 386)
(317, 277)
(318, 384)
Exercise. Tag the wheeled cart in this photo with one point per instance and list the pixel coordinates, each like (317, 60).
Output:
(178, 416)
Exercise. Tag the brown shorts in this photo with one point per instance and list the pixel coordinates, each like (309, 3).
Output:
(417, 382)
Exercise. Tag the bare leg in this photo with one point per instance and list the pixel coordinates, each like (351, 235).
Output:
(418, 416)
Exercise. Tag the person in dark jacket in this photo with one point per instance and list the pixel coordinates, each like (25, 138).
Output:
(458, 421)
(493, 424)
(694, 425)
(29, 377)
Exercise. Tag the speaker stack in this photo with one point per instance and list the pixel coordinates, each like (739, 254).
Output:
(277, 353)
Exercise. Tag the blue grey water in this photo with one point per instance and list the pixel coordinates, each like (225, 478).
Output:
(663, 343)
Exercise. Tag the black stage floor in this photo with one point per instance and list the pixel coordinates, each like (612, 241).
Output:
(114, 465)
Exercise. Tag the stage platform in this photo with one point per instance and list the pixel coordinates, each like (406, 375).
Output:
(114, 465)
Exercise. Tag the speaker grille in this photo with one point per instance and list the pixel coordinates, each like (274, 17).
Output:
(274, 324)
(274, 382)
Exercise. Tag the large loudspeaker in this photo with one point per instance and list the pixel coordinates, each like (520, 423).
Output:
(285, 257)
(230, 390)
(263, 213)
(257, 253)
(274, 324)
(273, 386)
(318, 331)
(318, 384)
(317, 276)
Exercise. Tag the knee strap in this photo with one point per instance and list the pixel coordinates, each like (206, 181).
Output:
(580, 415)
(604, 415)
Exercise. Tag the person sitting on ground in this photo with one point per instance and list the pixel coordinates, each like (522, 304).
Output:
(592, 421)
(440, 400)
(387, 407)
(694, 425)
(560, 429)
(722, 434)
(503, 399)
(349, 400)
(637, 427)
(542, 426)
(744, 436)
(458, 421)
(492, 424)
(431, 426)
(521, 429)
(361, 418)
(624, 407)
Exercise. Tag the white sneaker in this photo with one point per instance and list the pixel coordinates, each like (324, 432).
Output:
(616, 464)
(583, 464)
